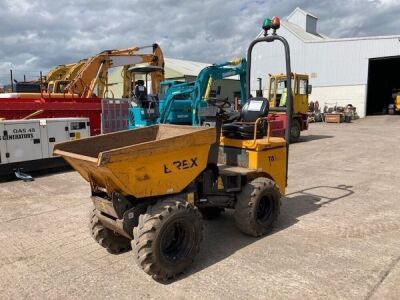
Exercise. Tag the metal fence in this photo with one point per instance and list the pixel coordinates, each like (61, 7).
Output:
(115, 115)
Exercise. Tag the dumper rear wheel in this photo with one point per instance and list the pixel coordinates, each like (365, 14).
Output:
(257, 207)
(167, 238)
(107, 238)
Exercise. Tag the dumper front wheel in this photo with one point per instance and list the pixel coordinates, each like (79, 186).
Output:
(107, 238)
(167, 238)
(257, 207)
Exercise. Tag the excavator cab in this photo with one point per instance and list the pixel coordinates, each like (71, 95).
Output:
(144, 105)
(57, 86)
(140, 93)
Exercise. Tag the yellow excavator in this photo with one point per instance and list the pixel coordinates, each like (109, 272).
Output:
(59, 77)
(58, 72)
(89, 78)
(52, 80)
(92, 77)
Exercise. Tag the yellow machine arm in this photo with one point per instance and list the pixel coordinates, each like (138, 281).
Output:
(74, 70)
(94, 72)
(58, 73)
(61, 75)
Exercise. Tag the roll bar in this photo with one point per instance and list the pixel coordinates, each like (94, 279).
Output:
(289, 103)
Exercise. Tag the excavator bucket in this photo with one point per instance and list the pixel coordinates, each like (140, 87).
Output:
(151, 161)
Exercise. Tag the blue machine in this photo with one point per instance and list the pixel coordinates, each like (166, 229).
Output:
(180, 102)
(175, 106)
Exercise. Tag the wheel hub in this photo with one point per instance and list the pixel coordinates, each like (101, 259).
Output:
(176, 242)
(264, 209)
(295, 131)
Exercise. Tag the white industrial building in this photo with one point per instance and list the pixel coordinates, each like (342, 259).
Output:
(358, 71)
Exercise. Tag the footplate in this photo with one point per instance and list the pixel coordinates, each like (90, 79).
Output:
(116, 207)
(104, 206)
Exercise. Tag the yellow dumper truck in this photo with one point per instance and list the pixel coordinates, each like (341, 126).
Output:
(151, 185)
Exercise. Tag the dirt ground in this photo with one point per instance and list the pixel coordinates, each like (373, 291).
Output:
(338, 235)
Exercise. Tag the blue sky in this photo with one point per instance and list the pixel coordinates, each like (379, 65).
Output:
(37, 35)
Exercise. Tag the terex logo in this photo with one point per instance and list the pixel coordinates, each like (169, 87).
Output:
(180, 165)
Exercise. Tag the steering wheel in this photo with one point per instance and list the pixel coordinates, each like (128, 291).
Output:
(219, 102)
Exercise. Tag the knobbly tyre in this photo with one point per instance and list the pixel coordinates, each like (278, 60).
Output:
(151, 185)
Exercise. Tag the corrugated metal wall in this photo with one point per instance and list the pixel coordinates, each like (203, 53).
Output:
(331, 63)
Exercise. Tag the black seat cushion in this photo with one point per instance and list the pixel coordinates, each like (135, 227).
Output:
(255, 108)
(242, 131)
(232, 117)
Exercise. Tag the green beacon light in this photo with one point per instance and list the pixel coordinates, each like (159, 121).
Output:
(273, 24)
(267, 24)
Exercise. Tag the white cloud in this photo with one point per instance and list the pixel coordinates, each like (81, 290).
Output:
(37, 35)
(19, 7)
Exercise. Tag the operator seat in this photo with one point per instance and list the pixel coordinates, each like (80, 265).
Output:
(255, 108)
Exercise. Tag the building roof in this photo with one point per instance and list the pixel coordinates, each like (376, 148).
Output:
(298, 9)
(301, 33)
(184, 67)
(321, 38)
(307, 37)
(297, 30)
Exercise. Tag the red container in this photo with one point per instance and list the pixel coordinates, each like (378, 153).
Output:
(19, 106)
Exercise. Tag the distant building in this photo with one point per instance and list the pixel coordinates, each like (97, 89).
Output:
(185, 70)
(359, 71)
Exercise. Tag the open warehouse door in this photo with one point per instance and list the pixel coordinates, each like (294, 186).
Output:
(383, 83)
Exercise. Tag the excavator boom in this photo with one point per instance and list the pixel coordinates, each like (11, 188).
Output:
(201, 88)
(58, 73)
(72, 72)
(94, 71)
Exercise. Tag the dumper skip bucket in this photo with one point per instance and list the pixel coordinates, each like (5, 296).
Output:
(151, 161)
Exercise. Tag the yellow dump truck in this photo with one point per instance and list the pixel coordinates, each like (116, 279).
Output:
(151, 185)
